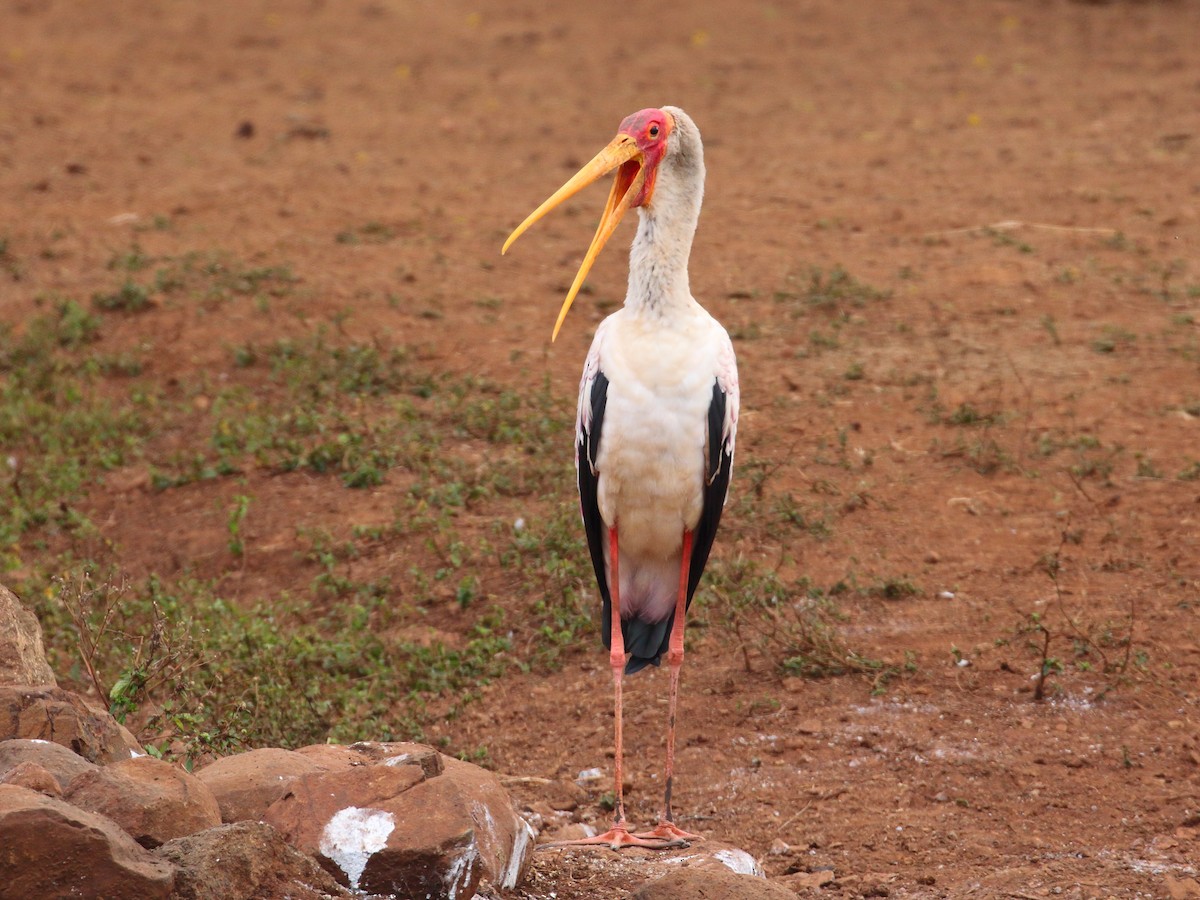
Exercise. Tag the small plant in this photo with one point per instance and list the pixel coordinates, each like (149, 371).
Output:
(233, 524)
(1113, 339)
(132, 260)
(832, 291)
(1002, 238)
(129, 297)
(792, 626)
(895, 588)
(1058, 625)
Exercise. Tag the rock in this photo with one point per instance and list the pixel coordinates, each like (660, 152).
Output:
(152, 800)
(22, 655)
(33, 776)
(337, 756)
(52, 714)
(245, 861)
(245, 784)
(505, 839)
(715, 883)
(558, 795)
(402, 753)
(803, 881)
(1181, 887)
(571, 831)
(714, 854)
(53, 849)
(386, 826)
(62, 763)
(332, 756)
(347, 819)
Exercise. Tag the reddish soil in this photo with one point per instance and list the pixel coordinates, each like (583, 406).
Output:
(1019, 181)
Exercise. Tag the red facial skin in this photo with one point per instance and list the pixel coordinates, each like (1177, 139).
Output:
(650, 129)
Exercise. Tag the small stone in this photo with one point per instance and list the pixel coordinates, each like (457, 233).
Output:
(62, 763)
(800, 881)
(573, 831)
(30, 775)
(1181, 887)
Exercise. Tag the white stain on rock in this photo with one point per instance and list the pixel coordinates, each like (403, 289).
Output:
(522, 841)
(459, 873)
(353, 836)
(739, 861)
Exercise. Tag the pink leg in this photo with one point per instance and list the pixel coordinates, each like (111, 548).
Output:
(618, 836)
(666, 829)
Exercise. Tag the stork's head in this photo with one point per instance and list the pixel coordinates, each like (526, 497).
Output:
(643, 141)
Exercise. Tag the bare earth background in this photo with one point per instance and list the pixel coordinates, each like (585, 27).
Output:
(958, 248)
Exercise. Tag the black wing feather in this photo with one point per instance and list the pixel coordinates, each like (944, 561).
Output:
(720, 468)
(589, 503)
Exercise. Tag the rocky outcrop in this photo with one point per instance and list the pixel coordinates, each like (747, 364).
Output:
(54, 849)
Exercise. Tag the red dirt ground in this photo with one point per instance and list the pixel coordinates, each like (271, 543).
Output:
(1022, 177)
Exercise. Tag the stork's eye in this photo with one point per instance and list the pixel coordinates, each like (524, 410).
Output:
(653, 131)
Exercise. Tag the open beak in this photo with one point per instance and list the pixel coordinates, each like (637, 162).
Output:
(621, 154)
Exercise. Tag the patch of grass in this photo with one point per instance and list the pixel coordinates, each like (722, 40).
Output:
(129, 297)
(968, 415)
(1190, 472)
(1004, 238)
(792, 626)
(9, 264)
(370, 233)
(58, 429)
(270, 674)
(1112, 339)
(894, 588)
(829, 291)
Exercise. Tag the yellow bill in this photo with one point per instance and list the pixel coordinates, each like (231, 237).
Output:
(622, 154)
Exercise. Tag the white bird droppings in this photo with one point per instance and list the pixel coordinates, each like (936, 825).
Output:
(460, 870)
(520, 847)
(739, 861)
(353, 836)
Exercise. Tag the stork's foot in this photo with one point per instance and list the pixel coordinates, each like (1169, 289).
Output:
(670, 833)
(618, 838)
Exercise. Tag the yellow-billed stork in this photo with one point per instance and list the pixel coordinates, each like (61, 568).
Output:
(658, 411)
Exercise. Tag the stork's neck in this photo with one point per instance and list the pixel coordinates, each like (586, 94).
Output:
(658, 260)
